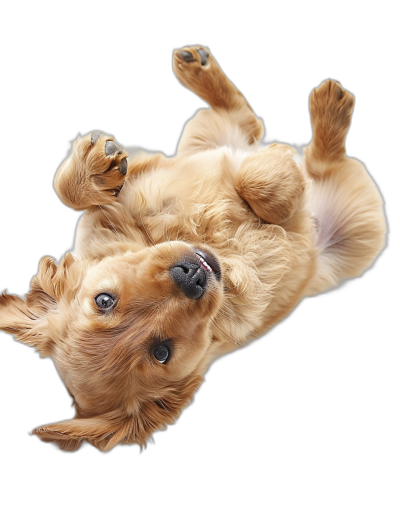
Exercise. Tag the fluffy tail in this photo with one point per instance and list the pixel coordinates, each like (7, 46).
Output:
(350, 223)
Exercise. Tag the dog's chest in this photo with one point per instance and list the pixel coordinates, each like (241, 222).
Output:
(193, 197)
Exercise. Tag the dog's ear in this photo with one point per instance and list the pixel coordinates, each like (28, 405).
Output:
(105, 431)
(50, 282)
(27, 319)
(102, 431)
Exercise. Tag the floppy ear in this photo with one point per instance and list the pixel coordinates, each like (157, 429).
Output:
(100, 431)
(26, 319)
(105, 431)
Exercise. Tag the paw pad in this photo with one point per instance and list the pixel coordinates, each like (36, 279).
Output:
(105, 146)
(190, 58)
(124, 166)
(203, 56)
(95, 136)
(113, 147)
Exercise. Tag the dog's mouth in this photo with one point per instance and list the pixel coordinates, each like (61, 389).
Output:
(209, 262)
(192, 275)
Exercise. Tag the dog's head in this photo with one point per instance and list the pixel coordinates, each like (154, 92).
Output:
(128, 334)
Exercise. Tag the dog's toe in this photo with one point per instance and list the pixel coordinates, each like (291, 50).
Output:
(194, 54)
(203, 56)
(187, 56)
(113, 147)
(124, 166)
(95, 136)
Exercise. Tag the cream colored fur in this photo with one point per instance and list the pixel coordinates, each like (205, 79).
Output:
(282, 227)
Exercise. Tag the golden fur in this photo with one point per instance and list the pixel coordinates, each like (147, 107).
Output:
(282, 227)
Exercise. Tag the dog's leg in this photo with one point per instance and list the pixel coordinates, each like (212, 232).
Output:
(331, 108)
(93, 174)
(96, 171)
(271, 182)
(345, 201)
(230, 121)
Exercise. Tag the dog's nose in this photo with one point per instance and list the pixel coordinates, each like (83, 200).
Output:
(190, 278)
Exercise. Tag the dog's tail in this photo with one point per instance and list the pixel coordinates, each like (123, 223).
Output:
(350, 222)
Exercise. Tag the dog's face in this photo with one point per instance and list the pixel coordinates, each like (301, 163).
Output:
(127, 334)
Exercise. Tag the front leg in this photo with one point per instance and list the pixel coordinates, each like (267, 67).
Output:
(94, 173)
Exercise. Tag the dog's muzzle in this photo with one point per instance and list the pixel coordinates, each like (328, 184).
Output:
(190, 278)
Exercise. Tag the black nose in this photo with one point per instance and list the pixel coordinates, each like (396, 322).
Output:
(190, 278)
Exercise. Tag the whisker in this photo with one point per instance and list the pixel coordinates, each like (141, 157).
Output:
(148, 250)
(144, 226)
(241, 293)
(229, 309)
(169, 235)
(232, 312)
(230, 289)
(237, 323)
(172, 230)
(226, 335)
(109, 220)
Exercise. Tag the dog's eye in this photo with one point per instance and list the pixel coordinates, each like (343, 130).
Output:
(161, 352)
(104, 301)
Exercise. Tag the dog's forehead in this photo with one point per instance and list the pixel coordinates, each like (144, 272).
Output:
(111, 270)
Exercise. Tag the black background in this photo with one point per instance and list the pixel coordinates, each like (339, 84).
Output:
(310, 400)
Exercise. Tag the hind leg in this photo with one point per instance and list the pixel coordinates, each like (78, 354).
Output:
(230, 121)
(271, 182)
(345, 200)
(331, 108)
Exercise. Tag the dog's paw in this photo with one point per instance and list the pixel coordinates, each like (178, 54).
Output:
(197, 70)
(196, 56)
(331, 105)
(105, 162)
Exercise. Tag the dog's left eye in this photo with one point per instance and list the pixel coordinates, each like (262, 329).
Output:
(161, 352)
(104, 301)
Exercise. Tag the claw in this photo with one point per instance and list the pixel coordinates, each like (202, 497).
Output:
(124, 166)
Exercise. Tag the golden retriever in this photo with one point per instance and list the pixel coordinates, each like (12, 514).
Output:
(179, 260)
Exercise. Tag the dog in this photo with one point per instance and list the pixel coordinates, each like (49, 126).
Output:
(180, 260)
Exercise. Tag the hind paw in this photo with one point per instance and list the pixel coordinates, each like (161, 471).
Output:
(331, 107)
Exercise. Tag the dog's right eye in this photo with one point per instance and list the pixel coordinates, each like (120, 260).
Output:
(104, 301)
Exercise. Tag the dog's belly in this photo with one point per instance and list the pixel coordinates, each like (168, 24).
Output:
(190, 198)
(193, 199)
(195, 195)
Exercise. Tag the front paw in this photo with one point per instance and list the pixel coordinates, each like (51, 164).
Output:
(103, 160)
